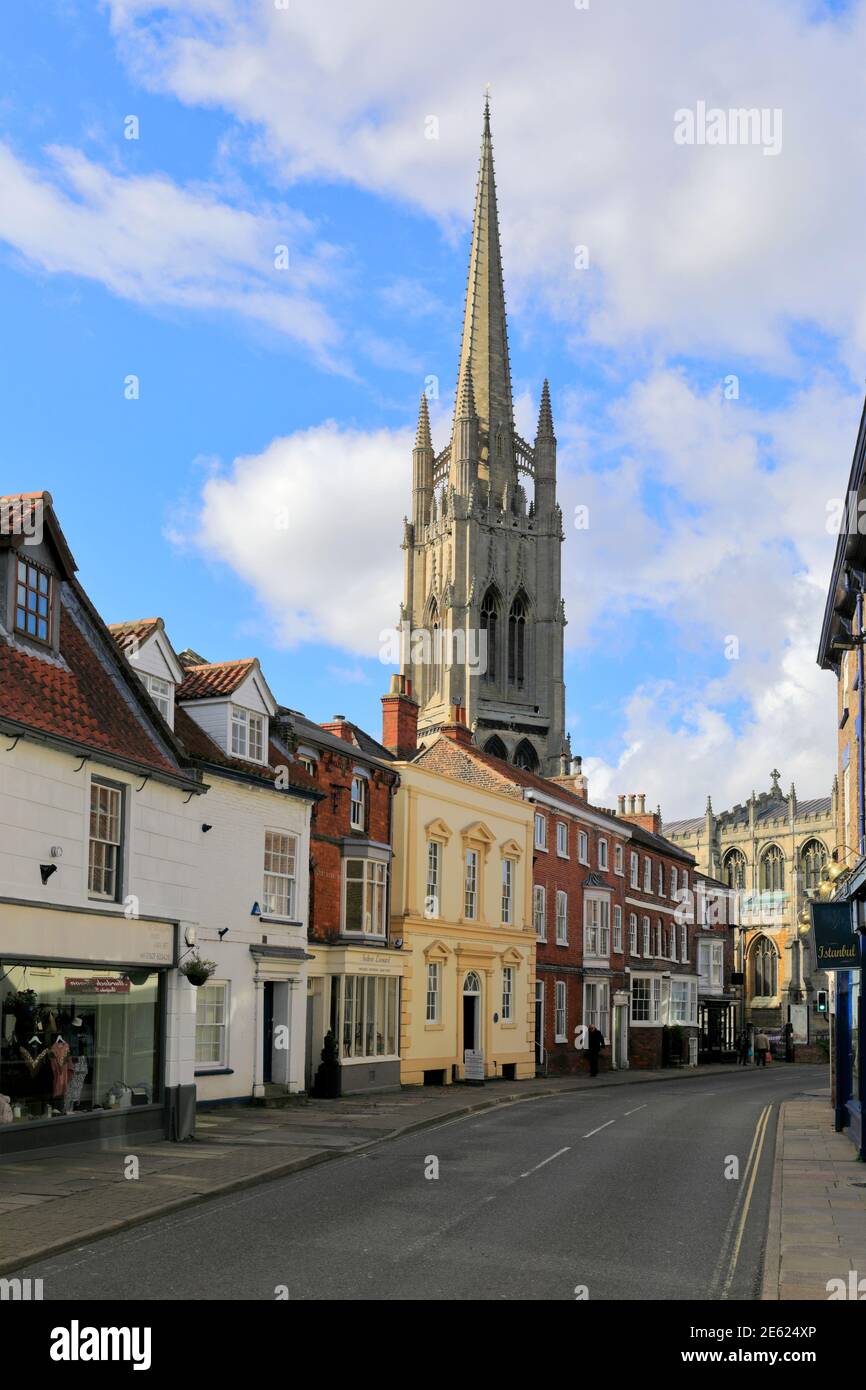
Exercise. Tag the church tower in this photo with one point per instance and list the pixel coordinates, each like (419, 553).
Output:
(482, 614)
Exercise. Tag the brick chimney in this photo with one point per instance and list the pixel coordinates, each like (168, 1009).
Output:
(457, 729)
(339, 728)
(400, 718)
(638, 813)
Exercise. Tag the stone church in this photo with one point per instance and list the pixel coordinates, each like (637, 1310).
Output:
(771, 849)
(482, 618)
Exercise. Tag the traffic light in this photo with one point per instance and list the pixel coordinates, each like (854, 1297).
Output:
(821, 1002)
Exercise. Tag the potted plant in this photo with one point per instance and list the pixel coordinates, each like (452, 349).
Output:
(196, 970)
(327, 1081)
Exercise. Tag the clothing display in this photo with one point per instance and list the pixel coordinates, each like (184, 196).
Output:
(70, 1046)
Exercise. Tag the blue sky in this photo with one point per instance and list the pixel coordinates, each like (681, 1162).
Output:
(154, 257)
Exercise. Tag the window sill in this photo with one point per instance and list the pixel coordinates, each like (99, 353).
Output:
(434, 1027)
(542, 849)
(561, 943)
(560, 855)
(560, 1037)
(214, 1071)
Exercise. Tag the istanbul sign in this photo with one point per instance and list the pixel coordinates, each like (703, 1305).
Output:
(837, 946)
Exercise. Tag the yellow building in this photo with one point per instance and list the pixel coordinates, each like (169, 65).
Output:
(461, 901)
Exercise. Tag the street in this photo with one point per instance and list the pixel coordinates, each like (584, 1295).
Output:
(615, 1194)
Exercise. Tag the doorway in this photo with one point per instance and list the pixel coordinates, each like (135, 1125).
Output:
(268, 1033)
(471, 1011)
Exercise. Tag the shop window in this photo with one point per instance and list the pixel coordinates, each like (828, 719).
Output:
(77, 1040)
(368, 1018)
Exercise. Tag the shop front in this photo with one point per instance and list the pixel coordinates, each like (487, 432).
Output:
(354, 993)
(838, 938)
(84, 1001)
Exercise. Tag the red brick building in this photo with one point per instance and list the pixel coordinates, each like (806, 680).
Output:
(659, 941)
(354, 976)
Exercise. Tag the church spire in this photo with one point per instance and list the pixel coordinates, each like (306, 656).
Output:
(484, 348)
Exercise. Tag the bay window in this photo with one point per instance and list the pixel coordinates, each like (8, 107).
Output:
(365, 897)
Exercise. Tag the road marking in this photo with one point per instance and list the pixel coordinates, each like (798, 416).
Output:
(762, 1126)
(743, 1195)
(600, 1128)
(636, 1109)
(546, 1160)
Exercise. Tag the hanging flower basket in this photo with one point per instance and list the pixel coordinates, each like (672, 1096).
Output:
(196, 970)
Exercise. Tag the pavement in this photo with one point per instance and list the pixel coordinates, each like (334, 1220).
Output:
(51, 1203)
(817, 1223)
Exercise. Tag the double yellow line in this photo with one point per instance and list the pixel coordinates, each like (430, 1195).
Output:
(753, 1163)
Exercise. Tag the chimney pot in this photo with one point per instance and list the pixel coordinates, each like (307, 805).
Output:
(642, 804)
(620, 805)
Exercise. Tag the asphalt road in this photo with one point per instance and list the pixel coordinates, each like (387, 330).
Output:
(620, 1192)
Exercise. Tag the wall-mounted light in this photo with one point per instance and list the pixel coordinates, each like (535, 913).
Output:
(398, 943)
(205, 828)
(256, 910)
(189, 936)
(46, 870)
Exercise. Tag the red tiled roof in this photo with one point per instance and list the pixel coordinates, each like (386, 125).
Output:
(201, 746)
(133, 634)
(81, 703)
(215, 678)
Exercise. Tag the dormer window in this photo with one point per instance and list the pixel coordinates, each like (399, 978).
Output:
(247, 735)
(161, 692)
(33, 601)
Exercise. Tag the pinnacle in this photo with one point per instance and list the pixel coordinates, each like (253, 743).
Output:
(545, 414)
(466, 398)
(422, 434)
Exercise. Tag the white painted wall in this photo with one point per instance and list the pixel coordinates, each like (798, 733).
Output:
(232, 880)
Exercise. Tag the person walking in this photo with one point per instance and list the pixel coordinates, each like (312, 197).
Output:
(762, 1047)
(743, 1049)
(594, 1044)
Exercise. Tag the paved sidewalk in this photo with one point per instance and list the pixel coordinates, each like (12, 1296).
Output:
(817, 1229)
(50, 1203)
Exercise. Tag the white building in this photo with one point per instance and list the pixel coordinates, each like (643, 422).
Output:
(100, 855)
(255, 851)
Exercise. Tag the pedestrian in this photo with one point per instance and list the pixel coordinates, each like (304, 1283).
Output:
(594, 1044)
(743, 1049)
(762, 1047)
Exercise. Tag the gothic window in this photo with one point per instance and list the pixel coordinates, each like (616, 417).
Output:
(735, 869)
(517, 642)
(813, 858)
(765, 969)
(496, 748)
(490, 626)
(773, 870)
(435, 650)
(526, 757)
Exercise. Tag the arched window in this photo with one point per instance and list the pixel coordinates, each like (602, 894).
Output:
(765, 968)
(496, 748)
(773, 870)
(517, 642)
(526, 757)
(735, 869)
(435, 650)
(813, 857)
(490, 626)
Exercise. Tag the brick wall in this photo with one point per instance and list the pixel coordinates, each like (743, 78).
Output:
(331, 825)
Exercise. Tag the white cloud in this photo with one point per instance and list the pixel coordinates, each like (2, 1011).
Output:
(698, 247)
(153, 242)
(312, 524)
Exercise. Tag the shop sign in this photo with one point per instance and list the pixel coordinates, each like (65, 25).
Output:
(96, 984)
(836, 943)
